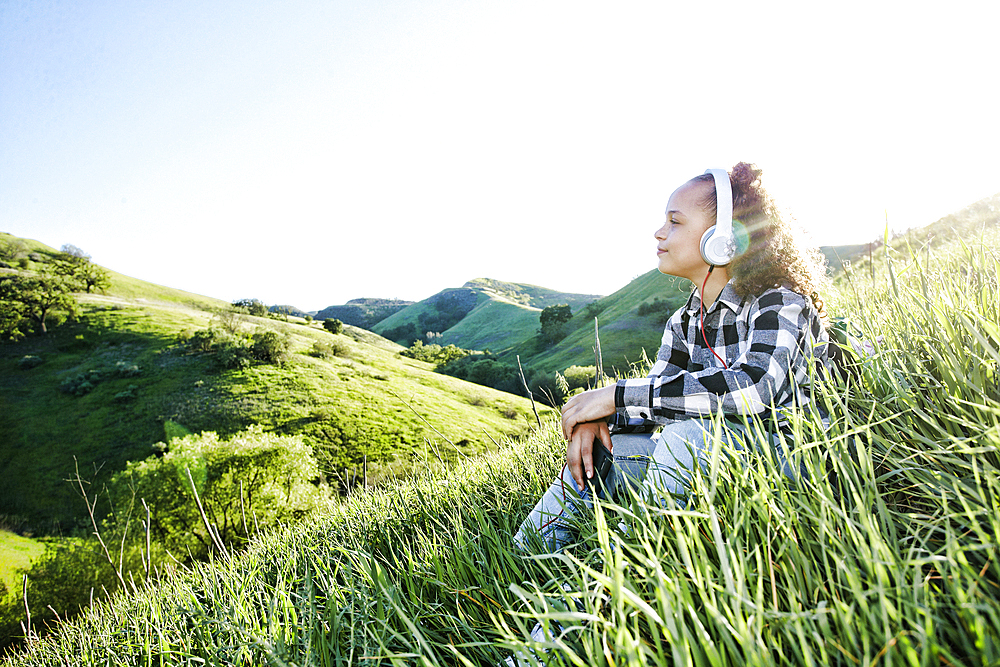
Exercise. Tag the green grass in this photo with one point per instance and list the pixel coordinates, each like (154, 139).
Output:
(625, 336)
(45, 433)
(496, 325)
(16, 554)
(504, 319)
(884, 553)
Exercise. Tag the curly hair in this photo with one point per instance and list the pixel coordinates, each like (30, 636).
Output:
(775, 256)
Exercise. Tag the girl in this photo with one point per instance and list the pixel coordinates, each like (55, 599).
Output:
(749, 341)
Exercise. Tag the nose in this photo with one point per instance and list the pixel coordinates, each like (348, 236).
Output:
(661, 233)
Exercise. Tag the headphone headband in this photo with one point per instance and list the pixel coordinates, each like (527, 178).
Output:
(723, 202)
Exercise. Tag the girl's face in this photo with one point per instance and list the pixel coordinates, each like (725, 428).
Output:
(679, 239)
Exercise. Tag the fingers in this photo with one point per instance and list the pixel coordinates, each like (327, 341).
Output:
(580, 451)
(588, 406)
(587, 454)
(574, 462)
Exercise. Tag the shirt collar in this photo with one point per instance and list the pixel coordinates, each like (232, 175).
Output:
(727, 297)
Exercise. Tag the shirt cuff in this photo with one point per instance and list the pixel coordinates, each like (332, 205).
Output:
(634, 399)
(636, 393)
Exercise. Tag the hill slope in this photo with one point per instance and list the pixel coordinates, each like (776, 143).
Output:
(364, 313)
(128, 346)
(624, 334)
(483, 313)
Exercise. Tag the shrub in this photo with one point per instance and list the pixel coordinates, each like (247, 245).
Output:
(61, 584)
(434, 353)
(333, 325)
(547, 388)
(238, 351)
(252, 480)
(29, 361)
(81, 383)
(657, 306)
(124, 369)
(327, 349)
(233, 352)
(203, 340)
(251, 306)
(579, 377)
(270, 346)
(486, 370)
(126, 395)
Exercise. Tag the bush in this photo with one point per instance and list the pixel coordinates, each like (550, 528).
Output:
(334, 348)
(81, 383)
(547, 388)
(253, 480)
(579, 377)
(127, 395)
(238, 351)
(486, 370)
(334, 326)
(270, 346)
(657, 306)
(29, 361)
(203, 340)
(233, 352)
(124, 369)
(434, 353)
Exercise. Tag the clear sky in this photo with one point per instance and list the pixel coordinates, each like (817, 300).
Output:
(307, 152)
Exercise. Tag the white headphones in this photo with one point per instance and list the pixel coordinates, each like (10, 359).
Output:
(718, 244)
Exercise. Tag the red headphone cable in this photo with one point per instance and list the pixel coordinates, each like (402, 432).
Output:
(711, 267)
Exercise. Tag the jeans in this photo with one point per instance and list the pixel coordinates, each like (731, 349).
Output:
(661, 463)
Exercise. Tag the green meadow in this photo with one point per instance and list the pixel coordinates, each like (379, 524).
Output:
(133, 341)
(884, 552)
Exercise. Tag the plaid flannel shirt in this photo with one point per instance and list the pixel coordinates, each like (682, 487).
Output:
(771, 344)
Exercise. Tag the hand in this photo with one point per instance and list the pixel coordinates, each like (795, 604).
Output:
(588, 407)
(580, 450)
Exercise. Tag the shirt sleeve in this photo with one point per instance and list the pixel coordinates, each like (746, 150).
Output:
(750, 385)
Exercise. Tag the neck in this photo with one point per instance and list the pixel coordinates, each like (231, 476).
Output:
(716, 282)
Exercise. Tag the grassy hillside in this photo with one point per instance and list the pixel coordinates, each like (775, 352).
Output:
(884, 553)
(625, 334)
(365, 313)
(531, 295)
(482, 314)
(128, 345)
(495, 324)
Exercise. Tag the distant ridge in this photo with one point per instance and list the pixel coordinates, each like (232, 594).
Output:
(363, 312)
(482, 314)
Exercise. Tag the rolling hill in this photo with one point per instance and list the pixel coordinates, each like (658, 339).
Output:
(130, 347)
(364, 313)
(482, 314)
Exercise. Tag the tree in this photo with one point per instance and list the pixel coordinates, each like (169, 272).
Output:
(334, 326)
(12, 250)
(37, 297)
(253, 480)
(254, 307)
(553, 320)
(75, 265)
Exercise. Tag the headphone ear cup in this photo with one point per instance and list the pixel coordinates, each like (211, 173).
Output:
(716, 249)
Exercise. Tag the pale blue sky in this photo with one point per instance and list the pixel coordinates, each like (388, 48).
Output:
(309, 151)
